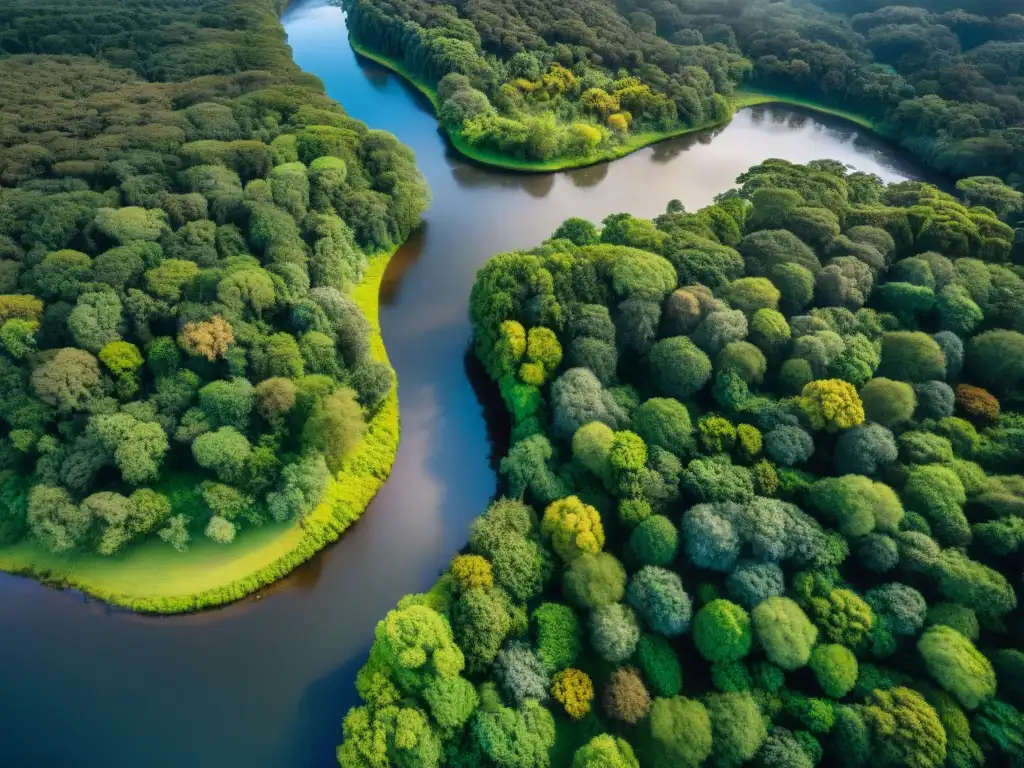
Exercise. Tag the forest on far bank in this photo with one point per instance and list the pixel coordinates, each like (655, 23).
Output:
(545, 81)
(763, 503)
(182, 213)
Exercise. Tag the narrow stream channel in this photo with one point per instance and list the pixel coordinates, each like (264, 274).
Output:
(264, 683)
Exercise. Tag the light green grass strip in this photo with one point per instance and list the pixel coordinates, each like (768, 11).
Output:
(152, 577)
(749, 97)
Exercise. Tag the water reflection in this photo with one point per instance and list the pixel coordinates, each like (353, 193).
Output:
(538, 185)
(584, 178)
(498, 422)
(669, 150)
(469, 176)
(264, 683)
(376, 76)
(401, 262)
(303, 579)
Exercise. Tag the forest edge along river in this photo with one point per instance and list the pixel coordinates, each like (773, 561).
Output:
(264, 683)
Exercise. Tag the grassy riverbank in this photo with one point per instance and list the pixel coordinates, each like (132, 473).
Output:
(498, 160)
(740, 100)
(151, 577)
(751, 97)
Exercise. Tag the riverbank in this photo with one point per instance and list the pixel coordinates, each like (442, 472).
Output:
(497, 160)
(747, 97)
(752, 97)
(151, 577)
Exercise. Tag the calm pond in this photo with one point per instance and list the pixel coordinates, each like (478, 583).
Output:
(264, 683)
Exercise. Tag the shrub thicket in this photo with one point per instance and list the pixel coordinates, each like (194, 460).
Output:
(831, 563)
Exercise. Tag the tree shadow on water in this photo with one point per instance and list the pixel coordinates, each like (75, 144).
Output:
(496, 417)
(470, 176)
(405, 258)
(591, 176)
(317, 730)
(666, 151)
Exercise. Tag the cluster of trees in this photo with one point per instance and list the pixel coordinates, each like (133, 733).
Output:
(181, 212)
(760, 501)
(943, 79)
(548, 80)
(544, 80)
(166, 42)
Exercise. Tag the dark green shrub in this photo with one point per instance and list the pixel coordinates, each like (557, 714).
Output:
(679, 368)
(660, 665)
(655, 541)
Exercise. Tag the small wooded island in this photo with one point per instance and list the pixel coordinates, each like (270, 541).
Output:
(556, 84)
(760, 504)
(186, 366)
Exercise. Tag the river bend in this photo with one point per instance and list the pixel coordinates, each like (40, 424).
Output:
(264, 683)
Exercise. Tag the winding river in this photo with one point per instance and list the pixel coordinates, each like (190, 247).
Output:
(264, 683)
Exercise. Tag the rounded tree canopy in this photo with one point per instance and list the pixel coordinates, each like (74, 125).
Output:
(785, 632)
(679, 368)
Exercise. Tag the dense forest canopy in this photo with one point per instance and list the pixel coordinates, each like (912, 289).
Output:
(945, 82)
(762, 503)
(181, 213)
(980, 7)
(161, 42)
(543, 79)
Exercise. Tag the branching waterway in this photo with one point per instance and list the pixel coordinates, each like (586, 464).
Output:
(264, 683)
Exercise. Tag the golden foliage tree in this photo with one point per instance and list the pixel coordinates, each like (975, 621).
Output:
(209, 339)
(574, 691)
(832, 404)
(573, 527)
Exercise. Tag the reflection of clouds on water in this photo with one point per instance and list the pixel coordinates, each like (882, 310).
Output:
(838, 138)
(420, 497)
